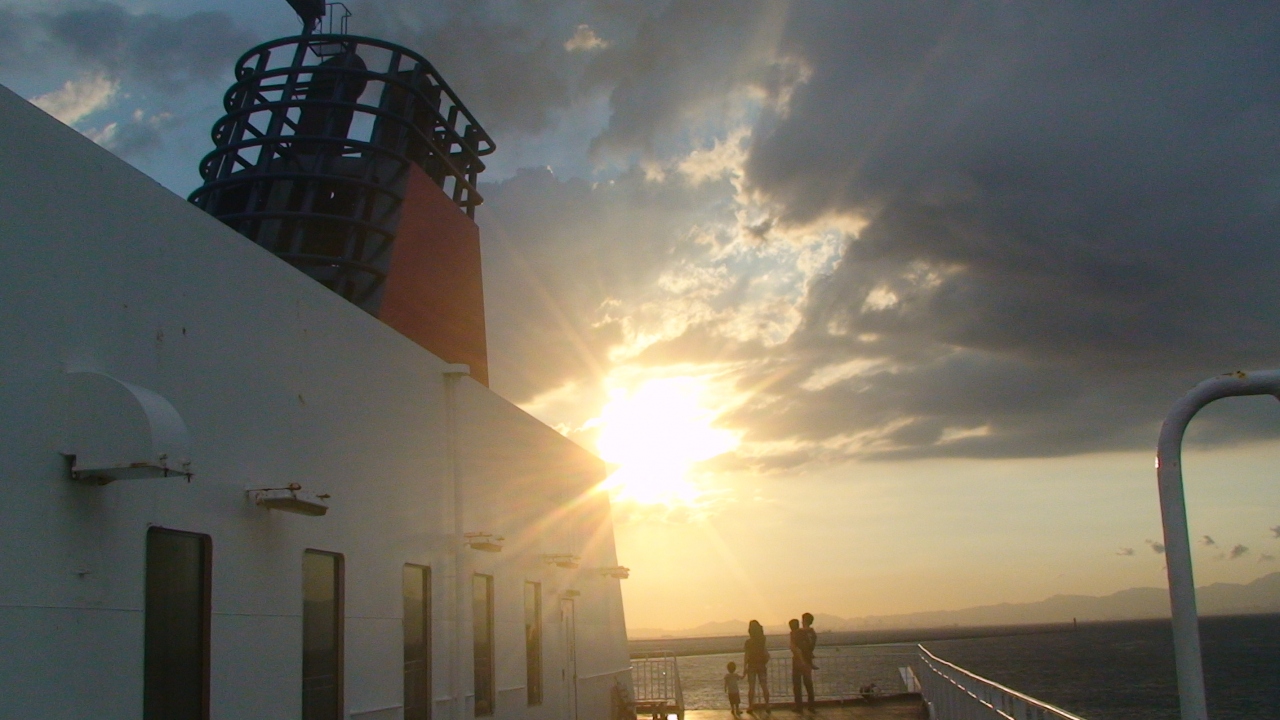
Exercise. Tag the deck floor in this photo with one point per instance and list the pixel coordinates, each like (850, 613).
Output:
(906, 707)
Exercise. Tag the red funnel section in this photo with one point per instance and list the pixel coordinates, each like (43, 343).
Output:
(434, 294)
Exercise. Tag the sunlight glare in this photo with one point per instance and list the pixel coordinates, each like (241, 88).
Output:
(655, 434)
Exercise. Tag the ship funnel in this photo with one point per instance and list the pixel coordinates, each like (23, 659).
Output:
(353, 160)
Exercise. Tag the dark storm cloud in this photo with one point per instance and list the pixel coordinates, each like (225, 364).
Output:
(655, 61)
(692, 55)
(1237, 552)
(1073, 217)
(15, 29)
(166, 52)
(1157, 548)
(509, 59)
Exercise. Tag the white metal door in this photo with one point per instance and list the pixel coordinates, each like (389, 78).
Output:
(568, 642)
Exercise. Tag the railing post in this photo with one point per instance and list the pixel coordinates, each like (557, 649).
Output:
(1177, 542)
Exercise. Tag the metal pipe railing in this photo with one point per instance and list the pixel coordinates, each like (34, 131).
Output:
(954, 693)
(1177, 541)
(655, 683)
(837, 677)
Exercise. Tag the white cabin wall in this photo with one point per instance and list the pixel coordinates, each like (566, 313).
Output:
(279, 381)
(526, 482)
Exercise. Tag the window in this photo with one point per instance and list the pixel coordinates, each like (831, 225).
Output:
(417, 642)
(175, 661)
(482, 632)
(321, 635)
(533, 641)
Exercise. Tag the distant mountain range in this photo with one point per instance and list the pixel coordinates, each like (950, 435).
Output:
(1260, 596)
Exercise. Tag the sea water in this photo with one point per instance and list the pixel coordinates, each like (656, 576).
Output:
(1100, 671)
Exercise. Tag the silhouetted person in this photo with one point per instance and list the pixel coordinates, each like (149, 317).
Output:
(811, 637)
(731, 679)
(801, 664)
(755, 658)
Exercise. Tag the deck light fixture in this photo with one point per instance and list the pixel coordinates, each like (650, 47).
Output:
(483, 541)
(291, 498)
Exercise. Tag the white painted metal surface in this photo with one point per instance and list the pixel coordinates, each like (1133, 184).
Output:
(277, 381)
(119, 431)
(1177, 541)
(954, 693)
(655, 677)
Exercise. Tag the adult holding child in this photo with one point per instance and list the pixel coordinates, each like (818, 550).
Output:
(802, 644)
(755, 660)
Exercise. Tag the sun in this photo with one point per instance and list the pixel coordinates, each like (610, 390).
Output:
(654, 434)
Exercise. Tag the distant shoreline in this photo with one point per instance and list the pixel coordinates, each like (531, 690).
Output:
(721, 644)
(732, 643)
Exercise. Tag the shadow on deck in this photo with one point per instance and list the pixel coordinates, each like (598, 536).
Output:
(908, 706)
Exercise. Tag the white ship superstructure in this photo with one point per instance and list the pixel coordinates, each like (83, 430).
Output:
(229, 492)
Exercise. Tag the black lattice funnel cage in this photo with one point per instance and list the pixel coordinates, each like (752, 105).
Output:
(312, 158)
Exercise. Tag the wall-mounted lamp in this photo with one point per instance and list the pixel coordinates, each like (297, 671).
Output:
(291, 499)
(617, 571)
(566, 561)
(483, 541)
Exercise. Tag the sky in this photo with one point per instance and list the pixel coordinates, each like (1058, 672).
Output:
(873, 307)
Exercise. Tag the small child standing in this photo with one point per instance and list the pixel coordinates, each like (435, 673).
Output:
(731, 679)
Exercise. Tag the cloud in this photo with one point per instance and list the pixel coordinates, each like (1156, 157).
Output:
(696, 61)
(1275, 532)
(1208, 541)
(1010, 279)
(1126, 552)
(1237, 552)
(1265, 558)
(165, 52)
(77, 99)
(559, 254)
(1157, 548)
(137, 136)
(508, 61)
(584, 38)
(1052, 195)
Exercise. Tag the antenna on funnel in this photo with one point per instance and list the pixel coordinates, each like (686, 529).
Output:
(310, 12)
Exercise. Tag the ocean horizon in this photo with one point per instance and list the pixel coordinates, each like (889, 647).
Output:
(1119, 670)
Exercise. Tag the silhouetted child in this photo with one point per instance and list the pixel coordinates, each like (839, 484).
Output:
(731, 679)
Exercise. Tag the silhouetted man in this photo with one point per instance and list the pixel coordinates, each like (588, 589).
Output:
(801, 663)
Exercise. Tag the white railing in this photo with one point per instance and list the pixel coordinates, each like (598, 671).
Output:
(954, 693)
(838, 677)
(655, 684)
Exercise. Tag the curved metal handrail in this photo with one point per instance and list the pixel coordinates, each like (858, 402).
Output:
(244, 72)
(1173, 517)
(991, 698)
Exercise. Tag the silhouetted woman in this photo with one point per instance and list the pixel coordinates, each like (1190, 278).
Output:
(755, 658)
